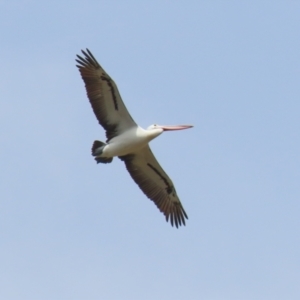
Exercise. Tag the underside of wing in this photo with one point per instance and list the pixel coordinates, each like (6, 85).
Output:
(156, 184)
(104, 96)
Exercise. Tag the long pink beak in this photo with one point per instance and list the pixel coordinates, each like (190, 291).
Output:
(174, 127)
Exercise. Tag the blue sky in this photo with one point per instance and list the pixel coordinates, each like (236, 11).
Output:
(71, 229)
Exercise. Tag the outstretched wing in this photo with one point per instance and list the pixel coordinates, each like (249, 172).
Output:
(156, 184)
(104, 96)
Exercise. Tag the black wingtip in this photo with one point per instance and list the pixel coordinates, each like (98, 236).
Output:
(87, 60)
(177, 218)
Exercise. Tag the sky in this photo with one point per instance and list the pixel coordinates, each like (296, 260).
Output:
(72, 229)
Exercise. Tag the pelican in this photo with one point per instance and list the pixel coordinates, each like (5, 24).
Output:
(128, 141)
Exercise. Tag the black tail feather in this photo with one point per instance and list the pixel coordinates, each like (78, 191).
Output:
(96, 146)
(97, 150)
(103, 160)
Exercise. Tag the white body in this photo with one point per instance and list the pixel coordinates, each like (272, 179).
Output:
(130, 141)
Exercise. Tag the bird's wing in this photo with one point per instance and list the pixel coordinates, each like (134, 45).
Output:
(104, 96)
(156, 184)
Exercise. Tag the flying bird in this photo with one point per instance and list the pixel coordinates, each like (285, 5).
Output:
(129, 141)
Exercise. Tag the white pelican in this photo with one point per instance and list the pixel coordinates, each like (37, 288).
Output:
(129, 141)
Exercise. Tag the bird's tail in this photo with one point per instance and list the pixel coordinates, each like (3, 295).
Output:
(97, 150)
